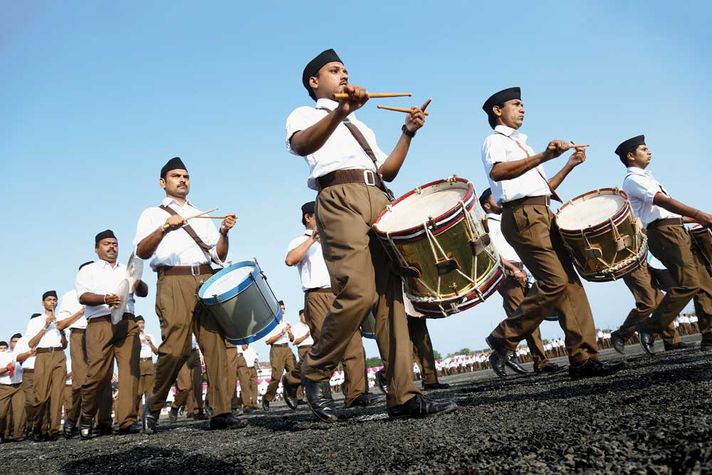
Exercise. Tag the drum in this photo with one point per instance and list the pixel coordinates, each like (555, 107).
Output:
(602, 235)
(435, 236)
(242, 302)
(702, 239)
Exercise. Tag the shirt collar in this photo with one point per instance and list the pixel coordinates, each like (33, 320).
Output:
(167, 201)
(510, 132)
(639, 171)
(330, 105)
(496, 217)
(104, 263)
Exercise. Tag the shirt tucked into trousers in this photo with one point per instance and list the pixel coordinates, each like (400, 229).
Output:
(363, 281)
(533, 234)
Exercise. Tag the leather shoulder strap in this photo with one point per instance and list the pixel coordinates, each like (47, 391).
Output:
(191, 232)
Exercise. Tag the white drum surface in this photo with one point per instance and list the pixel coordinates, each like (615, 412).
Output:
(418, 208)
(589, 212)
(229, 281)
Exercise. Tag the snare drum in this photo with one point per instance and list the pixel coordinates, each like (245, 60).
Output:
(602, 235)
(435, 236)
(242, 302)
(702, 239)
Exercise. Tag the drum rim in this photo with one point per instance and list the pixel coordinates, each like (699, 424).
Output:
(413, 230)
(224, 297)
(603, 224)
(260, 334)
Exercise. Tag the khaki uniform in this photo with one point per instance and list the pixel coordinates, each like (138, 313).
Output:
(423, 349)
(49, 377)
(146, 379)
(281, 359)
(77, 353)
(243, 376)
(532, 232)
(363, 281)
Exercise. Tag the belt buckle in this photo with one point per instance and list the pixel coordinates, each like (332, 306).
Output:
(369, 177)
(195, 270)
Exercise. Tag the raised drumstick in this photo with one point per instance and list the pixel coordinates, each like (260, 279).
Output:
(165, 226)
(397, 109)
(372, 95)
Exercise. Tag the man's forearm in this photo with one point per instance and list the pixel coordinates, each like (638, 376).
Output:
(390, 168)
(222, 246)
(556, 180)
(516, 168)
(675, 206)
(149, 244)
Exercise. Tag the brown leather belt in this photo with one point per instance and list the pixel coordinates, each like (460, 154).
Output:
(666, 222)
(77, 330)
(342, 177)
(107, 318)
(147, 359)
(318, 291)
(198, 269)
(529, 200)
(49, 350)
(281, 345)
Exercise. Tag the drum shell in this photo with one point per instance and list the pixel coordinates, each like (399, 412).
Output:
(247, 316)
(602, 237)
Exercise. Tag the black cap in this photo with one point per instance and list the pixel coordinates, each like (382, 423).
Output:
(139, 318)
(34, 315)
(174, 163)
(312, 68)
(85, 264)
(629, 146)
(308, 208)
(49, 293)
(485, 196)
(281, 302)
(497, 99)
(3, 343)
(103, 235)
(16, 335)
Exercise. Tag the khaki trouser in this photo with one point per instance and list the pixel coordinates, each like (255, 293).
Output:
(513, 294)
(281, 359)
(243, 375)
(253, 386)
(104, 342)
(647, 295)
(363, 281)
(184, 386)
(181, 313)
(28, 378)
(67, 400)
(672, 245)
(422, 349)
(533, 234)
(231, 376)
(146, 379)
(12, 407)
(316, 306)
(50, 376)
(77, 354)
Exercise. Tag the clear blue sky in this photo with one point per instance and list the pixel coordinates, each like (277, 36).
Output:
(97, 95)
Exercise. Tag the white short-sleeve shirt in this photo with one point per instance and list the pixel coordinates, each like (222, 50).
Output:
(68, 306)
(301, 329)
(494, 223)
(146, 351)
(275, 331)
(22, 346)
(100, 278)
(51, 339)
(341, 151)
(641, 187)
(312, 268)
(507, 145)
(7, 357)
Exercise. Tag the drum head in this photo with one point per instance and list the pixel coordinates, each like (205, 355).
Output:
(122, 291)
(590, 210)
(226, 282)
(417, 208)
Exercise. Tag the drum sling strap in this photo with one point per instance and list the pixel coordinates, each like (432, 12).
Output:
(358, 136)
(554, 195)
(191, 232)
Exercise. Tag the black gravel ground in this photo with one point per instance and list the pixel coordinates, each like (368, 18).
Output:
(653, 417)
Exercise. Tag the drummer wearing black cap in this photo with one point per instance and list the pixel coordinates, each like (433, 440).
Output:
(669, 241)
(50, 368)
(97, 285)
(520, 186)
(180, 251)
(348, 169)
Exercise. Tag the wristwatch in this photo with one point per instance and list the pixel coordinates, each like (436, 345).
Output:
(407, 132)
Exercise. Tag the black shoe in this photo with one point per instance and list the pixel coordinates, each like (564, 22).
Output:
(433, 386)
(52, 437)
(706, 344)
(102, 430)
(69, 429)
(237, 412)
(500, 357)
(173, 415)
(319, 399)
(37, 436)
(290, 393)
(226, 421)
(548, 368)
(647, 339)
(199, 416)
(618, 342)
(381, 381)
(86, 429)
(418, 406)
(594, 368)
(150, 422)
(246, 410)
(365, 400)
(265, 404)
(132, 429)
(301, 402)
(676, 346)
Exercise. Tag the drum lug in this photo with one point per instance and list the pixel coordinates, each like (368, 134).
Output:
(593, 253)
(623, 242)
(446, 265)
(478, 245)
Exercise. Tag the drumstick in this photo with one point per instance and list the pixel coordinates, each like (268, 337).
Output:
(203, 213)
(397, 109)
(210, 217)
(372, 95)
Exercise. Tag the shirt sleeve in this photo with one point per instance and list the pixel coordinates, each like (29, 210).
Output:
(147, 223)
(294, 243)
(63, 311)
(83, 281)
(34, 327)
(639, 188)
(301, 118)
(492, 153)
